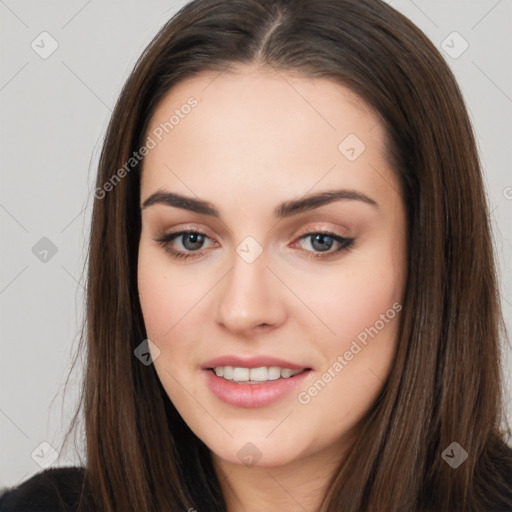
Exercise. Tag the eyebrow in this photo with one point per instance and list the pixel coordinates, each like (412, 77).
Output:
(286, 209)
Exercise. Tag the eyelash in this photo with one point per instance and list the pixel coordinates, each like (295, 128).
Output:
(346, 244)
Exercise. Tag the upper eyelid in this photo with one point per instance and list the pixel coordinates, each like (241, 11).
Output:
(317, 227)
(183, 231)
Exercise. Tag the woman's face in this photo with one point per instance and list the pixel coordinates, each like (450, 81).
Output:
(254, 166)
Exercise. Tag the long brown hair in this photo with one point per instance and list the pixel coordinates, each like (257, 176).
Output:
(445, 383)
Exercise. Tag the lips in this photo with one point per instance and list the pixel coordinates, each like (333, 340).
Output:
(252, 394)
(251, 362)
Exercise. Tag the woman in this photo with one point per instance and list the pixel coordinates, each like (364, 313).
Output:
(280, 313)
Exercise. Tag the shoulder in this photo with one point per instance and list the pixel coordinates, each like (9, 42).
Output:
(51, 490)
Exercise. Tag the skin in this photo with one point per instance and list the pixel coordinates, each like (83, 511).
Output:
(258, 138)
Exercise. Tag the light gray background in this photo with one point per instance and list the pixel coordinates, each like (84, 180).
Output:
(54, 113)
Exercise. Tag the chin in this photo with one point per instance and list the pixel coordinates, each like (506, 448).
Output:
(258, 451)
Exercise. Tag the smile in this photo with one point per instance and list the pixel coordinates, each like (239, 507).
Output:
(252, 393)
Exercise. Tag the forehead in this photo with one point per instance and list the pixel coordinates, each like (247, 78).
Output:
(258, 129)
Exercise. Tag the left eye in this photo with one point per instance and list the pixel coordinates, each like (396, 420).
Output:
(322, 243)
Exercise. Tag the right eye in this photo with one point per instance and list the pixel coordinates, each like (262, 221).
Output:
(190, 241)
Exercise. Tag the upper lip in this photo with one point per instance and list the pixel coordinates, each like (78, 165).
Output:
(251, 362)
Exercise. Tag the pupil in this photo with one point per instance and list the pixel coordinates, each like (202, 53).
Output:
(322, 240)
(196, 240)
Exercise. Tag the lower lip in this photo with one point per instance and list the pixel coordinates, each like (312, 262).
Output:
(252, 395)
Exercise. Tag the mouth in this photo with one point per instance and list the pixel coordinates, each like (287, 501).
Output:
(253, 383)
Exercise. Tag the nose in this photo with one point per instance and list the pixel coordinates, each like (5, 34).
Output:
(251, 300)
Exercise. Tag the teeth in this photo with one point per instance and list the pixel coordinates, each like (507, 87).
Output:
(273, 373)
(228, 372)
(254, 375)
(240, 374)
(261, 374)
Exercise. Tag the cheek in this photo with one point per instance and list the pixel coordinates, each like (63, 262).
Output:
(167, 293)
(368, 307)
(167, 298)
(352, 299)
(363, 309)
(356, 364)
(156, 299)
(374, 290)
(175, 309)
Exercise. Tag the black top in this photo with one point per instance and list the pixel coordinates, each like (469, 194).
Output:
(59, 490)
(51, 490)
